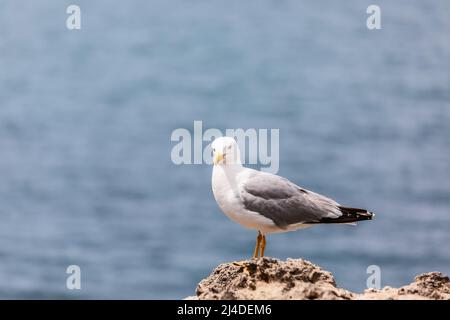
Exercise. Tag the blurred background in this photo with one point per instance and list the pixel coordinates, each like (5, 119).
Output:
(86, 117)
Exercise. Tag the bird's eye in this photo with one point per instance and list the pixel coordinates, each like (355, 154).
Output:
(214, 149)
(229, 147)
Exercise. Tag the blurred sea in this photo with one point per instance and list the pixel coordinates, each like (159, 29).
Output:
(86, 117)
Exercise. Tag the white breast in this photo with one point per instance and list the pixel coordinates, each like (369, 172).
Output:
(226, 192)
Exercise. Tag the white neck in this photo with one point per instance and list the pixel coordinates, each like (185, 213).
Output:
(226, 174)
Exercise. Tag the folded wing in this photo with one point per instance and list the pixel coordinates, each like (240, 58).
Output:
(284, 202)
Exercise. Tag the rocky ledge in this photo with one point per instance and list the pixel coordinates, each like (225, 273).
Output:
(268, 278)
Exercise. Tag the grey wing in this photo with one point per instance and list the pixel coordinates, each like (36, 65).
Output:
(284, 202)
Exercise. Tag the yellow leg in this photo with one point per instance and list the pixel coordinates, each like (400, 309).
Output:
(263, 245)
(258, 245)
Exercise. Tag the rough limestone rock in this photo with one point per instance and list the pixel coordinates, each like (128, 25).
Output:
(268, 278)
(427, 286)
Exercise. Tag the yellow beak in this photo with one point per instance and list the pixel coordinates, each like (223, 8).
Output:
(218, 157)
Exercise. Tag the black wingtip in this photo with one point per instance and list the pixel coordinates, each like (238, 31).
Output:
(356, 214)
(349, 215)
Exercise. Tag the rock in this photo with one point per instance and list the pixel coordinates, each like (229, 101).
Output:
(431, 285)
(268, 278)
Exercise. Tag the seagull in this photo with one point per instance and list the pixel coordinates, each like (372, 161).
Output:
(269, 203)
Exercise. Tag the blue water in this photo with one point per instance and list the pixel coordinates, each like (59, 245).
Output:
(86, 117)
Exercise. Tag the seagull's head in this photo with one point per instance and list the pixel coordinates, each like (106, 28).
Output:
(226, 151)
